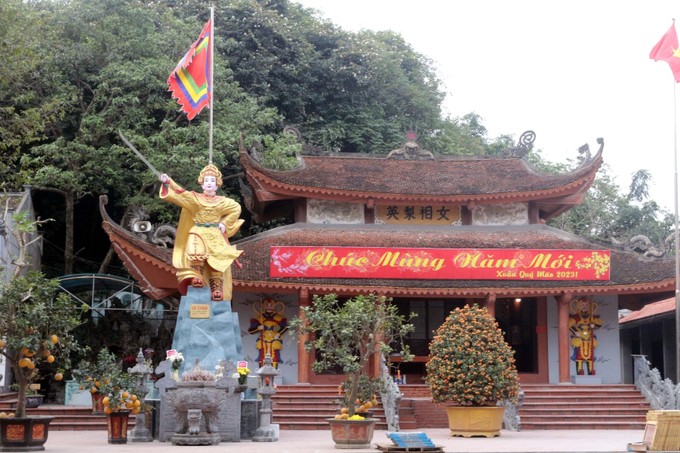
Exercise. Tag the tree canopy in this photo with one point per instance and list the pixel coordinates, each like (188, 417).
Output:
(91, 68)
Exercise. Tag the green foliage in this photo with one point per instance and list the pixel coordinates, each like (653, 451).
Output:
(470, 362)
(102, 375)
(346, 335)
(280, 153)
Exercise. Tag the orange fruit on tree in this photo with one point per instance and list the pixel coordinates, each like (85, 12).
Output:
(50, 359)
(136, 410)
(3, 343)
(93, 390)
(108, 410)
(125, 395)
(137, 403)
(133, 397)
(23, 362)
(58, 377)
(128, 405)
(106, 400)
(55, 339)
(30, 365)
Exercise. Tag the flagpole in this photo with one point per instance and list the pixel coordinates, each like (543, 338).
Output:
(212, 77)
(677, 235)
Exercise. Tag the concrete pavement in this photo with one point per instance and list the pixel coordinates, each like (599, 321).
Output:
(321, 442)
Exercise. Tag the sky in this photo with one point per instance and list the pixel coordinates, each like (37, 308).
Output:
(571, 71)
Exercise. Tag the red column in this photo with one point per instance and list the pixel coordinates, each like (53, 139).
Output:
(563, 336)
(490, 304)
(304, 359)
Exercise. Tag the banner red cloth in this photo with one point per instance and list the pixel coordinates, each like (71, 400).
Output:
(667, 50)
(190, 80)
(438, 264)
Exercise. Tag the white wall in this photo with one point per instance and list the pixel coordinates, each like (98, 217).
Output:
(607, 352)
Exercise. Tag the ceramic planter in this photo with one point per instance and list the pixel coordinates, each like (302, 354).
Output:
(474, 421)
(352, 433)
(24, 434)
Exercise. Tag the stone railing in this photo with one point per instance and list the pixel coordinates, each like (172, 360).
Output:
(511, 420)
(661, 394)
(390, 396)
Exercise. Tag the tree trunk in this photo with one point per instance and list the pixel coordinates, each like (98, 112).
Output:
(22, 384)
(106, 261)
(68, 241)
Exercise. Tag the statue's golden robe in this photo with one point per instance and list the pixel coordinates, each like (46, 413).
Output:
(199, 237)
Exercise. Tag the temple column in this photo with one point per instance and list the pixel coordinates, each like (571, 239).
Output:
(563, 301)
(490, 304)
(304, 358)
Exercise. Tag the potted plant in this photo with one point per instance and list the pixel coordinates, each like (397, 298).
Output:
(118, 403)
(35, 339)
(471, 370)
(347, 335)
(100, 377)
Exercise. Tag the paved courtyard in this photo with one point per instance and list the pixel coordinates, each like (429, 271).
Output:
(320, 442)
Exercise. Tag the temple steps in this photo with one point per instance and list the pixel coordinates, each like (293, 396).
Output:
(545, 406)
(66, 418)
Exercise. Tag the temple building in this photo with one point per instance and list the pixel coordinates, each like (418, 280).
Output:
(432, 233)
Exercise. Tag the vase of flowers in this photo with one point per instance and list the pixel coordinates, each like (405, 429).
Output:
(242, 375)
(176, 361)
(471, 367)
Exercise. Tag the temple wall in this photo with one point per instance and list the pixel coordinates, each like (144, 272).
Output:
(608, 350)
(333, 212)
(501, 214)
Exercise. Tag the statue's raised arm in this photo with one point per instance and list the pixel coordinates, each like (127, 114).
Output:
(202, 250)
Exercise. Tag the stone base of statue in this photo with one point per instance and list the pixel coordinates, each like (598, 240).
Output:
(198, 439)
(267, 433)
(206, 330)
(212, 340)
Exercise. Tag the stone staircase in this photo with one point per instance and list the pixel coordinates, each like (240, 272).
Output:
(67, 418)
(545, 407)
(567, 406)
(308, 406)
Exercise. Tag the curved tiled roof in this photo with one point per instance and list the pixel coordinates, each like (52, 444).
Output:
(453, 179)
(630, 273)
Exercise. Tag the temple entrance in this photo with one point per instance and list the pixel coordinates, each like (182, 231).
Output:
(522, 320)
(519, 318)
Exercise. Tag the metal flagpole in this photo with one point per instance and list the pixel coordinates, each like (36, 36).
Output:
(212, 77)
(677, 242)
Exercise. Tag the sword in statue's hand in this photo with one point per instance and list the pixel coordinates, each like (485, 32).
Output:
(132, 147)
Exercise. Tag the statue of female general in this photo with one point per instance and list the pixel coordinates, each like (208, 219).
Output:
(202, 252)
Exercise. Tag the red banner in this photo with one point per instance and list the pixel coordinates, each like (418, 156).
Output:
(438, 264)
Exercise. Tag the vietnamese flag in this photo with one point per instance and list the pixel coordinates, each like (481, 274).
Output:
(667, 50)
(190, 82)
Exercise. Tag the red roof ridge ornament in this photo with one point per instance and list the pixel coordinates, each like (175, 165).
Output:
(410, 149)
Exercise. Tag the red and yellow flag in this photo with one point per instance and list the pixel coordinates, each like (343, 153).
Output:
(667, 50)
(190, 81)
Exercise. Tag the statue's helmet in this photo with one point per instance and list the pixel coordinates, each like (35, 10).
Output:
(210, 170)
(268, 304)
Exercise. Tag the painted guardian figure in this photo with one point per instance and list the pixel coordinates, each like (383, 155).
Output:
(202, 254)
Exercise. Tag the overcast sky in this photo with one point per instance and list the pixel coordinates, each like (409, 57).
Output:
(570, 71)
